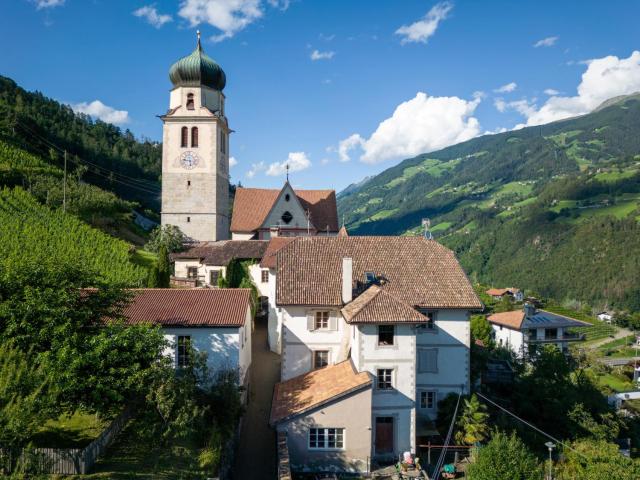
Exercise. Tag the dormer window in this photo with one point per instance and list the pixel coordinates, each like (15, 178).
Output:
(190, 102)
(370, 277)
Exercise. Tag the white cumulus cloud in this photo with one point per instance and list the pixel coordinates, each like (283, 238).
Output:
(604, 78)
(546, 42)
(97, 109)
(232, 162)
(40, 4)
(509, 87)
(151, 15)
(318, 55)
(551, 92)
(228, 16)
(422, 124)
(423, 29)
(255, 169)
(296, 161)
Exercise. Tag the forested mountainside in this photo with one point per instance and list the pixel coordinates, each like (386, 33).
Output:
(101, 153)
(553, 209)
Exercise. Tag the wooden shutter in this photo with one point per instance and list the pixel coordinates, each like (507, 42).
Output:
(311, 321)
(428, 360)
(333, 321)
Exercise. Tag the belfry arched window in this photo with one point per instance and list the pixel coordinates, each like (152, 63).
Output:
(190, 102)
(184, 138)
(194, 136)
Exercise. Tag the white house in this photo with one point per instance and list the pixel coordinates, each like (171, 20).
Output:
(396, 308)
(260, 213)
(519, 329)
(217, 322)
(605, 316)
(499, 293)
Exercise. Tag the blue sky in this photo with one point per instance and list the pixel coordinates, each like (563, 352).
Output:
(388, 80)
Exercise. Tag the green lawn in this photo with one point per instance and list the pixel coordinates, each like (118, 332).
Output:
(144, 258)
(75, 431)
(441, 226)
(614, 382)
(130, 456)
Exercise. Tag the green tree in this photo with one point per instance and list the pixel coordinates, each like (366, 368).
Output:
(164, 267)
(169, 236)
(472, 424)
(481, 330)
(595, 460)
(504, 457)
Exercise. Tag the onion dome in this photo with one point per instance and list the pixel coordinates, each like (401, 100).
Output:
(197, 69)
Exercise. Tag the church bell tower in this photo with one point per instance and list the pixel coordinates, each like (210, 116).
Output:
(195, 150)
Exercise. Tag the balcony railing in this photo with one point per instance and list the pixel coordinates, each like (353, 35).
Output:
(566, 337)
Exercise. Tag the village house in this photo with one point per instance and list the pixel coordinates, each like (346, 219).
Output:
(605, 316)
(374, 332)
(518, 330)
(217, 322)
(499, 293)
(260, 213)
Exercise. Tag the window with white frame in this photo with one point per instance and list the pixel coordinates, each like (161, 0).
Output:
(320, 359)
(183, 350)
(428, 399)
(265, 276)
(385, 379)
(192, 272)
(326, 438)
(321, 320)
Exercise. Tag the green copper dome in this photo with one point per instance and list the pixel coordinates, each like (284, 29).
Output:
(197, 69)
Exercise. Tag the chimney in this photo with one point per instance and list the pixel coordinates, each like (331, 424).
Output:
(529, 310)
(347, 280)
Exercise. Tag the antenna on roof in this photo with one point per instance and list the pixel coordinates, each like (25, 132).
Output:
(426, 223)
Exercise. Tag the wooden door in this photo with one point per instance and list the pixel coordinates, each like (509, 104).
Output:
(384, 435)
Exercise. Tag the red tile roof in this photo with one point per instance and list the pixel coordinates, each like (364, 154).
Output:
(417, 271)
(199, 307)
(318, 387)
(275, 244)
(252, 205)
(376, 305)
(222, 252)
(511, 319)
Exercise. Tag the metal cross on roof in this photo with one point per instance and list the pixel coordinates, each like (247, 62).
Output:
(287, 167)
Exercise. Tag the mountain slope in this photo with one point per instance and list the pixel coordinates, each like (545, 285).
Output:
(515, 206)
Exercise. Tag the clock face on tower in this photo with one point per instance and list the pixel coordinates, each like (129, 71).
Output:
(189, 160)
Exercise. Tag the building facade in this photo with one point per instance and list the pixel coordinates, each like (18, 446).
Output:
(195, 150)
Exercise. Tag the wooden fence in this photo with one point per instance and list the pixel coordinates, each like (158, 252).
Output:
(66, 461)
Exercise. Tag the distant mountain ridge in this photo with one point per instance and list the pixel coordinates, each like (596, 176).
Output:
(555, 184)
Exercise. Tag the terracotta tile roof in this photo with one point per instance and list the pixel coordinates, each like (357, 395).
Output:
(310, 390)
(496, 292)
(511, 319)
(172, 307)
(252, 205)
(417, 271)
(221, 253)
(376, 305)
(275, 244)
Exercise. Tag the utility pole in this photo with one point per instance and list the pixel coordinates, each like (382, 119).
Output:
(64, 185)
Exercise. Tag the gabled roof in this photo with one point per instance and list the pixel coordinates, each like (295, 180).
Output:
(302, 393)
(496, 292)
(221, 253)
(518, 320)
(511, 319)
(252, 205)
(376, 305)
(275, 244)
(417, 271)
(174, 307)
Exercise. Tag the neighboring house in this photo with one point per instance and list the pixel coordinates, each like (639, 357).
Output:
(518, 329)
(605, 316)
(203, 264)
(396, 308)
(260, 213)
(322, 413)
(214, 321)
(499, 293)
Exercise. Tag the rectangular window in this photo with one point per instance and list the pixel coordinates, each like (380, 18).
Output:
(213, 277)
(265, 276)
(320, 359)
(322, 320)
(188, 219)
(326, 438)
(431, 320)
(385, 380)
(428, 400)
(428, 360)
(385, 334)
(370, 277)
(223, 142)
(184, 350)
(192, 272)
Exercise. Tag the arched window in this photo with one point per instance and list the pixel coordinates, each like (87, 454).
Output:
(190, 102)
(184, 138)
(194, 137)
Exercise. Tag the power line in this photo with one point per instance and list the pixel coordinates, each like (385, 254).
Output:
(443, 452)
(126, 180)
